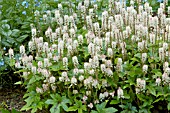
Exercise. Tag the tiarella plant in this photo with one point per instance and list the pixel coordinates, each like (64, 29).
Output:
(97, 56)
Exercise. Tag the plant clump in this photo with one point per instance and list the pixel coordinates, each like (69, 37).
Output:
(97, 58)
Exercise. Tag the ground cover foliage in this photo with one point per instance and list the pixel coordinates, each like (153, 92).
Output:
(89, 56)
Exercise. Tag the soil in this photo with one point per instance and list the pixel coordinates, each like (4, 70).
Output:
(11, 98)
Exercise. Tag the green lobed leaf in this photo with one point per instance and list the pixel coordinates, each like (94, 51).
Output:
(168, 106)
(152, 90)
(114, 102)
(50, 101)
(4, 111)
(55, 109)
(111, 110)
(72, 108)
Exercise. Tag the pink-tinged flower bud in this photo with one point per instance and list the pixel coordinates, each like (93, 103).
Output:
(112, 94)
(69, 50)
(101, 96)
(145, 68)
(57, 14)
(81, 77)
(45, 47)
(34, 32)
(110, 52)
(138, 80)
(45, 17)
(60, 7)
(109, 64)
(80, 39)
(96, 41)
(162, 5)
(131, 2)
(75, 71)
(22, 49)
(72, 33)
(40, 64)
(95, 6)
(167, 70)
(56, 58)
(30, 58)
(28, 65)
(95, 83)
(34, 69)
(152, 38)
(71, 19)
(114, 45)
(109, 72)
(143, 84)
(90, 105)
(25, 74)
(52, 79)
(31, 45)
(75, 61)
(39, 70)
(75, 92)
(60, 47)
(61, 79)
(96, 101)
(64, 74)
(46, 62)
(160, 12)
(75, 44)
(74, 80)
(104, 83)
(11, 53)
(86, 3)
(168, 10)
(86, 66)
(91, 48)
(39, 90)
(25, 60)
(119, 61)
(48, 13)
(140, 9)
(45, 73)
(140, 46)
(155, 19)
(165, 46)
(86, 83)
(66, 20)
(91, 12)
(85, 98)
(53, 37)
(165, 65)
(165, 78)
(88, 93)
(91, 72)
(106, 94)
(65, 62)
(49, 55)
(161, 54)
(48, 33)
(53, 87)
(103, 68)
(144, 57)
(137, 90)
(120, 93)
(45, 87)
(158, 81)
(17, 64)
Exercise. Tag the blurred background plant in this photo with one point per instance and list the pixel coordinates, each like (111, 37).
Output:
(15, 19)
